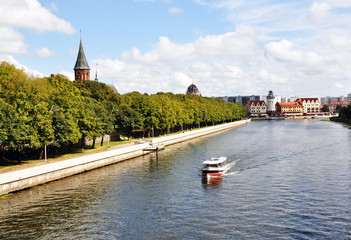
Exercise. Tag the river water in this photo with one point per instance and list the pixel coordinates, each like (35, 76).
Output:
(288, 180)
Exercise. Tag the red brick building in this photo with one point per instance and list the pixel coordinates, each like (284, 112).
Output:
(81, 69)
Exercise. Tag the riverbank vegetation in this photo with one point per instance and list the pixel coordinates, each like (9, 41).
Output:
(344, 114)
(58, 113)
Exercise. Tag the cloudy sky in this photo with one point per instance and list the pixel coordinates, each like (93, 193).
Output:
(226, 47)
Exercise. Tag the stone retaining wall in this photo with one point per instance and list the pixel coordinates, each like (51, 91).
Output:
(29, 177)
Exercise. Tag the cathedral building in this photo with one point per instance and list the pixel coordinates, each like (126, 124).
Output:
(193, 90)
(81, 69)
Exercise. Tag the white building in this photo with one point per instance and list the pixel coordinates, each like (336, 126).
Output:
(270, 101)
(310, 105)
(256, 108)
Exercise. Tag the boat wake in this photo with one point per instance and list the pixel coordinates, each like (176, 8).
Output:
(231, 173)
(230, 166)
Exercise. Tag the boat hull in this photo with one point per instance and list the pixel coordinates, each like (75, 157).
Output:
(214, 173)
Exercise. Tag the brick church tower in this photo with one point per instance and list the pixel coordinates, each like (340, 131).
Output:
(81, 69)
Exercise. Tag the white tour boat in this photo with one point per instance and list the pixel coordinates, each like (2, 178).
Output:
(215, 166)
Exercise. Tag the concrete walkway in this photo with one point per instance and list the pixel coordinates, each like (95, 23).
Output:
(28, 177)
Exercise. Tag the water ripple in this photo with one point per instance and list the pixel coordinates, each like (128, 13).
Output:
(287, 180)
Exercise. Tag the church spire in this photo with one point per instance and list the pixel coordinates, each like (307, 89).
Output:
(96, 77)
(81, 69)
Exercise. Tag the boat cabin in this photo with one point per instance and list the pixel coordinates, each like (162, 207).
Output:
(215, 162)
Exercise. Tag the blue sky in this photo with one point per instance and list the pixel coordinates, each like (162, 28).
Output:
(226, 47)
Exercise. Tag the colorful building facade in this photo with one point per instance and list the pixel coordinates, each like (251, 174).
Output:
(289, 108)
(256, 108)
(311, 106)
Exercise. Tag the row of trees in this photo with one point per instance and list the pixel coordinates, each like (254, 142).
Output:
(54, 111)
(345, 113)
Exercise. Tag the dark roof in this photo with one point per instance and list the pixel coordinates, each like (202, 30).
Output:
(192, 90)
(81, 62)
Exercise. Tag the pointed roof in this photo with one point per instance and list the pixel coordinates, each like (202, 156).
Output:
(96, 78)
(256, 102)
(81, 62)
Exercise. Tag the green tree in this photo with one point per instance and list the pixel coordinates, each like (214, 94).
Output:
(127, 119)
(325, 108)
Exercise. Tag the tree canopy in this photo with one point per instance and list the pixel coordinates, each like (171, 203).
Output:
(55, 111)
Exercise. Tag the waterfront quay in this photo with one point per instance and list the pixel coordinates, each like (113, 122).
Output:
(28, 177)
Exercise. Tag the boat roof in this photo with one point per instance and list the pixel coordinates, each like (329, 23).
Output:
(215, 160)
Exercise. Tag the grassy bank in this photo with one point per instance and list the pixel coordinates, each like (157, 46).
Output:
(76, 152)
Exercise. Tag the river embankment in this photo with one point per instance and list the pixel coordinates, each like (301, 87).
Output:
(28, 177)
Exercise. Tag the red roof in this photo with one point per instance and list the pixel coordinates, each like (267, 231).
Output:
(256, 102)
(339, 103)
(306, 99)
(289, 104)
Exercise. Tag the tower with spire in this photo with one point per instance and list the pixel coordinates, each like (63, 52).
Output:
(96, 77)
(81, 69)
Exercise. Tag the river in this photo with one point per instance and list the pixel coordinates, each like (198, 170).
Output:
(288, 180)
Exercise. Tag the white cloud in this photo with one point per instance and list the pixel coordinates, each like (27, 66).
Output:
(227, 4)
(182, 80)
(340, 41)
(319, 12)
(289, 52)
(132, 77)
(165, 51)
(30, 14)
(169, 66)
(70, 74)
(11, 41)
(53, 7)
(292, 47)
(12, 60)
(26, 14)
(175, 10)
(44, 52)
(338, 85)
(339, 3)
(72, 52)
(267, 76)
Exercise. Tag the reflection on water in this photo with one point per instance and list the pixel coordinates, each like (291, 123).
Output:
(211, 182)
(288, 180)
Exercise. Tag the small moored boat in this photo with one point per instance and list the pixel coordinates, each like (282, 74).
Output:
(214, 166)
